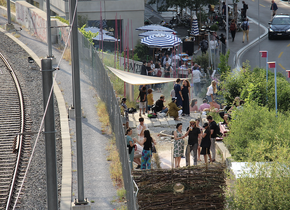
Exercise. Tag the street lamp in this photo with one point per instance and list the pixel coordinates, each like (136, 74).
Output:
(264, 54)
(272, 65)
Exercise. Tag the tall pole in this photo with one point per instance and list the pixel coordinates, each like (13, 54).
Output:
(77, 102)
(71, 21)
(49, 131)
(48, 29)
(267, 77)
(275, 90)
(8, 12)
(227, 25)
(260, 34)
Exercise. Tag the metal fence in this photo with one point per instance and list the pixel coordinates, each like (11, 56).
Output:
(92, 66)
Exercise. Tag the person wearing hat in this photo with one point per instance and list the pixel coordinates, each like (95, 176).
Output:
(174, 111)
(205, 143)
(125, 108)
(193, 134)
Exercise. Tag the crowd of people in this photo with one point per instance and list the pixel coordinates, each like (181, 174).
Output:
(201, 141)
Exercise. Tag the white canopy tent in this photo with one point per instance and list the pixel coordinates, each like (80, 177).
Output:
(137, 79)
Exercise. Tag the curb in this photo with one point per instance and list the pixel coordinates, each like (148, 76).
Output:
(66, 182)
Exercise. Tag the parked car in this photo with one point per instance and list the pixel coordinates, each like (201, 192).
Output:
(279, 26)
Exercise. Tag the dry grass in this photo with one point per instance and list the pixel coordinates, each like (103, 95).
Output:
(115, 165)
(104, 117)
(67, 55)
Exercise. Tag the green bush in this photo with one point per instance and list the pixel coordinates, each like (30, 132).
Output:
(141, 51)
(251, 86)
(265, 187)
(256, 134)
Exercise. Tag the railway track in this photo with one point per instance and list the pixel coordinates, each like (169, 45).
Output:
(14, 144)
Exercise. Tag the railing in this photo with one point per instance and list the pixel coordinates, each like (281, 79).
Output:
(92, 66)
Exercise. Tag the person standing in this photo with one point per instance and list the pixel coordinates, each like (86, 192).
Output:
(130, 145)
(178, 93)
(199, 139)
(167, 70)
(274, 8)
(213, 44)
(223, 41)
(147, 150)
(193, 134)
(166, 60)
(185, 90)
(233, 29)
(205, 143)
(224, 9)
(150, 100)
(244, 9)
(178, 145)
(143, 98)
(203, 46)
(196, 75)
(211, 90)
(245, 27)
(125, 108)
(213, 131)
(144, 69)
(141, 128)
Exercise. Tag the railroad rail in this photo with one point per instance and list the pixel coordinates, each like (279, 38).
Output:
(12, 128)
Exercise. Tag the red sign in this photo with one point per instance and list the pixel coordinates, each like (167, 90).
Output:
(272, 65)
(264, 54)
(288, 73)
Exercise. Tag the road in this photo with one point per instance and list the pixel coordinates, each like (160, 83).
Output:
(278, 49)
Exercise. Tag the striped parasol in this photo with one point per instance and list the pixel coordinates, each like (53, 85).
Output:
(161, 41)
(194, 27)
(155, 28)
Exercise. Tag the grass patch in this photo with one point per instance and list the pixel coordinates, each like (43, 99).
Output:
(67, 55)
(104, 117)
(121, 194)
(113, 157)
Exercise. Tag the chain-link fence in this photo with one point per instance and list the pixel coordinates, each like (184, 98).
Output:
(92, 66)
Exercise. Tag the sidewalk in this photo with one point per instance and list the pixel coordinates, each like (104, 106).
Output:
(97, 182)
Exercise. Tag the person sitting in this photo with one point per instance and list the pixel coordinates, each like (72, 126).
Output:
(174, 111)
(203, 106)
(193, 105)
(159, 105)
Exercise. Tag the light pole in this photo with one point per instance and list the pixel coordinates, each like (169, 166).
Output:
(272, 65)
(264, 54)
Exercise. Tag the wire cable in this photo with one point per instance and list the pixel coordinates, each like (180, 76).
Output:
(46, 107)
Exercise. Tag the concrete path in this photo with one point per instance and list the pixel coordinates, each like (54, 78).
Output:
(97, 182)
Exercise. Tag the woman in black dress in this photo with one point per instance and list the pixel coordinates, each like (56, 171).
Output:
(205, 143)
(185, 90)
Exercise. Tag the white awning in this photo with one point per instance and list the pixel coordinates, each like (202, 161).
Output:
(137, 79)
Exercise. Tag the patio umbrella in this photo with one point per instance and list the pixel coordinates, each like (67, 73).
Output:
(155, 28)
(194, 27)
(95, 30)
(106, 38)
(161, 41)
(149, 33)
